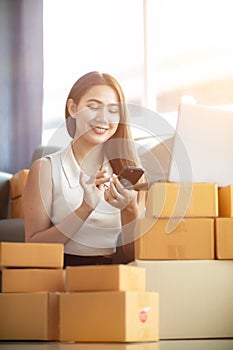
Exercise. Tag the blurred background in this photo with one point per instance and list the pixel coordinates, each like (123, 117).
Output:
(160, 51)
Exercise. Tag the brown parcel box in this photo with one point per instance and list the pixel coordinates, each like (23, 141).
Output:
(224, 238)
(195, 297)
(187, 199)
(109, 316)
(33, 280)
(193, 238)
(42, 255)
(105, 278)
(225, 200)
(17, 183)
(29, 316)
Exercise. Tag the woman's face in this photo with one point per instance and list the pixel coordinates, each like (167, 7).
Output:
(97, 115)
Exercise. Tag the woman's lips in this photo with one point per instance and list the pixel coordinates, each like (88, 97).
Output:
(98, 129)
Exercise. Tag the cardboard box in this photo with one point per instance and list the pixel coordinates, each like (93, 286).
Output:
(192, 238)
(33, 280)
(225, 197)
(109, 316)
(182, 200)
(17, 183)
(29, 316)
(195, 297)
(105, 278)
(42, 255)
(17, 209)
(224, 238)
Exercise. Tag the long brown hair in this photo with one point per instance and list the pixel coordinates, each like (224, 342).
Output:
(124, 154)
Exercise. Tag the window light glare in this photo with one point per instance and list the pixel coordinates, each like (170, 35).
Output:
(188, 99)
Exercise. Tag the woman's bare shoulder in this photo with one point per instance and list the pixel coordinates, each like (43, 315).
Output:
(42, 164)
(40, 172)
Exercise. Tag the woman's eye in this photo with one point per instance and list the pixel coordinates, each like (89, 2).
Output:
(113, 109)
(94, 106)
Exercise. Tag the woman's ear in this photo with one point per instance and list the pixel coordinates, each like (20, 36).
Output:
(72, 107)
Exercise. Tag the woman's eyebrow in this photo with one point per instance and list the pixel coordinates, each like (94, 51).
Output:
(98, 101)
(94, 100)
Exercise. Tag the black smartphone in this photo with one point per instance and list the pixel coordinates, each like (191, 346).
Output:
(130, 175)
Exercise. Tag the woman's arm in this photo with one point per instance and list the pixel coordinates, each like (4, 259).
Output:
(38, 204)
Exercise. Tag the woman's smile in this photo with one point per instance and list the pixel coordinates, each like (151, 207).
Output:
(99, 129)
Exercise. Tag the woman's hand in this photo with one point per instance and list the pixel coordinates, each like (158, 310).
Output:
(118, 196)
(93, 187)
(102, 178)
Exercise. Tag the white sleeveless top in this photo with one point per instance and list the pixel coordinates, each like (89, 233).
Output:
(98, 234)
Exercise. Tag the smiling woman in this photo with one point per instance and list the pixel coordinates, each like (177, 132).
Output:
(66, 200)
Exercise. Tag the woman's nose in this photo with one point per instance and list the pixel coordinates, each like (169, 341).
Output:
(102, 114)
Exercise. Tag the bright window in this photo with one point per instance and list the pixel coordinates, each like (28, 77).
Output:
(189, 52)
(159, 50)
(82, 36)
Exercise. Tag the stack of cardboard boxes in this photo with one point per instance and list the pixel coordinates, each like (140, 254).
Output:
(108, 304)
(42, 301)
(32, 274)
(187, 235)
(180, 241)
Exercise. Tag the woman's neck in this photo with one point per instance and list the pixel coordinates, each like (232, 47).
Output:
(89, 157)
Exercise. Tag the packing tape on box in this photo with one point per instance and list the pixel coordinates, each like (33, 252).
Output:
(176, 251)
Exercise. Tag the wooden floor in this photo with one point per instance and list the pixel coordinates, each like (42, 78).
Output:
(211, 344)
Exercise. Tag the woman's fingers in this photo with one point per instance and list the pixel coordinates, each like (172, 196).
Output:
(102, 177)
(92, 194)
(117, 195)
